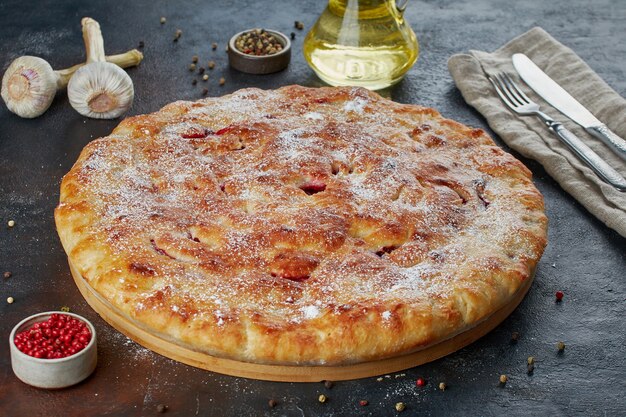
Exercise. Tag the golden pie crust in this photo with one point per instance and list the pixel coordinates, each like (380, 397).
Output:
(301, 226)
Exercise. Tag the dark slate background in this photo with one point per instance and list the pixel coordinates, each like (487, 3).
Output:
(584, 258)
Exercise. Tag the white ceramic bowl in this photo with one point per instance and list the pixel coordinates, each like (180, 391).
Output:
(53, 373)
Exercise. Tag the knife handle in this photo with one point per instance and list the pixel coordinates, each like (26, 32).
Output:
(592, 159)
(606, 135)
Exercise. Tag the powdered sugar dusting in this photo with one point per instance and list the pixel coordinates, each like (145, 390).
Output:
(356, 105)
(310, 312)
(314, 116)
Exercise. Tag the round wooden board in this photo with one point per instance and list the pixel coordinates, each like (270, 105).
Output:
(286, 373)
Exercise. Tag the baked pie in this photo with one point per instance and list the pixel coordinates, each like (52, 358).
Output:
(301, 226)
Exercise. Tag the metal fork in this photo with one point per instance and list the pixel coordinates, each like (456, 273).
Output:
(517, 101)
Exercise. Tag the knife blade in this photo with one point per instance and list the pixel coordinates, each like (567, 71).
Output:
(560, 99)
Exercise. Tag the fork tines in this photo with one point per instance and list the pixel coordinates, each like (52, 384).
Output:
(508, 90)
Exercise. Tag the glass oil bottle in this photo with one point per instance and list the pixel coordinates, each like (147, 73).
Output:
(364, 43)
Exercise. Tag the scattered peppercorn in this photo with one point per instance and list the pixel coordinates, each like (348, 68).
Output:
(258, 42)
(322, 398)
(205, 77)
(503, 379)
(214, 46)
(222, 81)
(514, 337)
(65, 309)
(11, 223)
(560, 346)
(194, 59)
(10, 300)
(192, 67)
(298, 25)
(293, 35)
(272, 403)
(363, 403)
(442, 386)
(420, 382)
(205, 91)
(400, 407)
(201, 70)
(194, 82)
(328, 384)
(559, 296)
(177, 35)
(163, 20)
(141, 44)
(7, 274)
(211, 65)
(161, 408)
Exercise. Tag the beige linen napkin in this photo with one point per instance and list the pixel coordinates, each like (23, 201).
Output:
(530, 137)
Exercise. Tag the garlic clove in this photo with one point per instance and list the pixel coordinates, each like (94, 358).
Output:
(101, 90)
(29, 86)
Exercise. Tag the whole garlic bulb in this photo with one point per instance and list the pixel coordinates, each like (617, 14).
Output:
(99, 90)
(28, 86)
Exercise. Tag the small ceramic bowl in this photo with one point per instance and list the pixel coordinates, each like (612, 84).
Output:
(52, 373)
(260, 64)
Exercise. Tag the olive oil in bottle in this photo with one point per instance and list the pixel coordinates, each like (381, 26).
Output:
(364, 43)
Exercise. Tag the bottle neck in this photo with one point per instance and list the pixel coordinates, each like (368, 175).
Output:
(365, 9)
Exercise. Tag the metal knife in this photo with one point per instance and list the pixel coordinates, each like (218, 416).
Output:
(560, 99)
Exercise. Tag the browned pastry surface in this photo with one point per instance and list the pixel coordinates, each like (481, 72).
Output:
(301, 225)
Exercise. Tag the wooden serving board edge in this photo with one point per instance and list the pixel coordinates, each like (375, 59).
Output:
(286, 373)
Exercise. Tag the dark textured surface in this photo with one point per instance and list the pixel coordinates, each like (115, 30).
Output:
(584, 259)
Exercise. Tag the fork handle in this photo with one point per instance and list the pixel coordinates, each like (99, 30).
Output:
(611, 139)
(592, 159)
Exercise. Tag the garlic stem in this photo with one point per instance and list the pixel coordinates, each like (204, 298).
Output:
(127, 59)
(94, 43)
